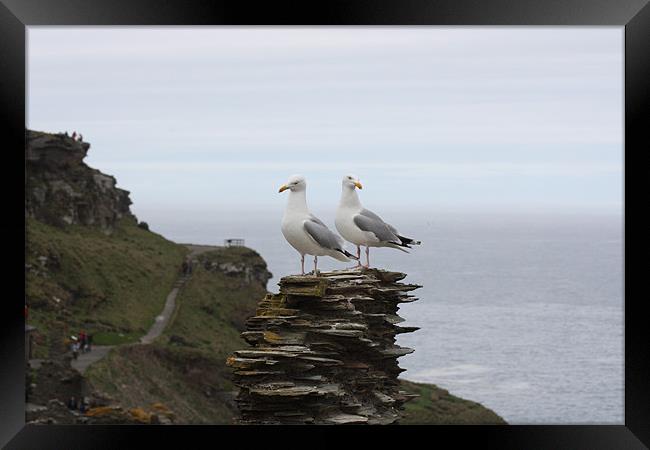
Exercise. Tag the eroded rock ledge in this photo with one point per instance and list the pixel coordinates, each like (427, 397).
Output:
(323, 351)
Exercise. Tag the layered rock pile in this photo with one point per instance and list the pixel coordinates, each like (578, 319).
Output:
(323, 351)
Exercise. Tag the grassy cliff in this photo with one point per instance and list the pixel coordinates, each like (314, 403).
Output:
(112, 285)
(213, 307)
(185, 368)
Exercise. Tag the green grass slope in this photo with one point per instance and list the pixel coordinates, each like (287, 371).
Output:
(185, 368)
(213, 306)
(191, 383)
(436, 406)
(110, 285)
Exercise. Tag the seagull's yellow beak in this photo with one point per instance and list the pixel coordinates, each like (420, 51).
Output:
(284, 187)
(357, 184)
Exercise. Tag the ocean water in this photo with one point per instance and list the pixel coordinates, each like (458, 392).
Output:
(522, 313)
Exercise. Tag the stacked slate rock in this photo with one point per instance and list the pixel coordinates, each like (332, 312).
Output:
(323, 351)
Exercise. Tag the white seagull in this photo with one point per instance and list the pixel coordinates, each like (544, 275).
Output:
(363, 227)
(303, 230)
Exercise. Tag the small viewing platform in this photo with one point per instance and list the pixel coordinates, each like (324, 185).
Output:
(233, 242)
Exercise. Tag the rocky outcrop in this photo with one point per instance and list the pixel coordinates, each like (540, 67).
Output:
(61, 189)
(242, 263)
(323, 351)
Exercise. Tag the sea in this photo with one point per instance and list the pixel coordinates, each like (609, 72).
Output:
(521, 312)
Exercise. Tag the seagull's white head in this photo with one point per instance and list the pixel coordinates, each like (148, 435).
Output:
(352, 181)
(294, 183)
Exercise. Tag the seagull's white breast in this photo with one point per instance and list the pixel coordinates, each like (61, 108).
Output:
(294, 232)
(349, 230)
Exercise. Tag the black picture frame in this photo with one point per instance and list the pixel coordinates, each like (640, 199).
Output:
(634, 15)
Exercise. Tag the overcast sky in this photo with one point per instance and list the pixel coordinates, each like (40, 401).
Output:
(427, 117)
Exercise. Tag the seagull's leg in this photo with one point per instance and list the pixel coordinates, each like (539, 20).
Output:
(315, 265)
(358, 263)
(302, 264)
(367, 256)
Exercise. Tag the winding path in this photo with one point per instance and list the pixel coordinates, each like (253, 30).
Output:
(162, 320)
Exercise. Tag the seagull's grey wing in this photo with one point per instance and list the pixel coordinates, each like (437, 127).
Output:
(313, 218)
(393, 229)
(322, 235)
(372, 215)
(369, 221)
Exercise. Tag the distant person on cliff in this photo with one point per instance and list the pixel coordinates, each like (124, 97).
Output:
(82, 340)
(81, 138)
(74, 135)
(75, 350)
(187, 266)
(184, 267)
(89, 340)
(72, 403)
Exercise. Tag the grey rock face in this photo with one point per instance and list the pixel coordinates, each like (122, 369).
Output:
(62, 190)
(242, 269)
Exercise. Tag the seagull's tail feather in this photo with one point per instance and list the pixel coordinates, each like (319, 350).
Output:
(408, 241)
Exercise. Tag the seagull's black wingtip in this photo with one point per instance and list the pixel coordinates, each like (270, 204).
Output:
(408, 241)
(348, 254)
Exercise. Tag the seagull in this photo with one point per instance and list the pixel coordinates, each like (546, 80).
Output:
(304, 231)
(363, 227)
